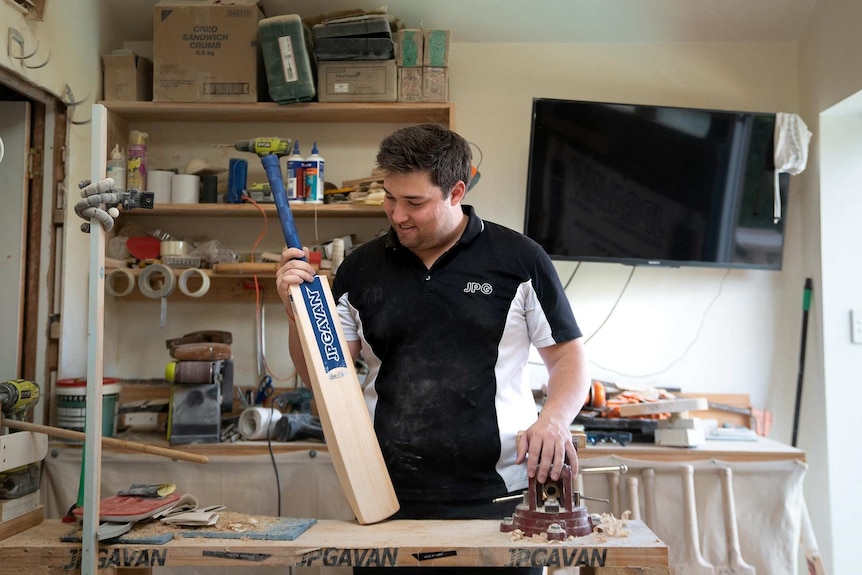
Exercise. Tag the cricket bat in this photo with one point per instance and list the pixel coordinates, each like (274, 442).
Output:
(346, 423)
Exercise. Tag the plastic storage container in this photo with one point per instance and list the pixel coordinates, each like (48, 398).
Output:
(287, 58)
(72, 404)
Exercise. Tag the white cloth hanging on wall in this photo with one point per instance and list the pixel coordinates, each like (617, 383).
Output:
(791, 151)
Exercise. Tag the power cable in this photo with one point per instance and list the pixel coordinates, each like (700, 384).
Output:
(613, 307)
(688, 347)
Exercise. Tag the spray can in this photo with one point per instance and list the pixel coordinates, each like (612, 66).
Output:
(116, 168)
(312, 170)
(136, 177)
(295, 179)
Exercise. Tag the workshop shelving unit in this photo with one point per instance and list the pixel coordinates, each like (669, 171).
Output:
(123, 116)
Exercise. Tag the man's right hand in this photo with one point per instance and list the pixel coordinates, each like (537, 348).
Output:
(294, 269)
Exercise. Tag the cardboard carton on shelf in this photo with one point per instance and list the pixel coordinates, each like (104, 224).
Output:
(206, 51)
(357, 81)
(128, 76)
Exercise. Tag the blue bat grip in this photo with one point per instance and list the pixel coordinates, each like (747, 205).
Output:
(279, 194)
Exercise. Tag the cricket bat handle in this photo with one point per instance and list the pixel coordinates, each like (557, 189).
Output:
(279, 194)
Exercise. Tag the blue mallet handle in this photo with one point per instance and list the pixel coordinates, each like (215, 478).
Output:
(279, 194)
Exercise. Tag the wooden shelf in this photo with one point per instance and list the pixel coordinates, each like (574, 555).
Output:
(400, 112)
(248, 210)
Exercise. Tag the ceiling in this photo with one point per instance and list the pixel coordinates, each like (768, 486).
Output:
(594, 21)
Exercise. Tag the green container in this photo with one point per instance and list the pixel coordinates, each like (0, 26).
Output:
(72, 405)
(287, 59)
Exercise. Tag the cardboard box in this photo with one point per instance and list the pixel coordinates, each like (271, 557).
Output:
(435, 84)
(206, 51)
(436, 48)
(357, 81)
(128, 76)
(409, 84)
(409, 47)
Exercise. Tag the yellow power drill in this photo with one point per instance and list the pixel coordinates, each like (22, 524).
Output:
(265, 146)
(16, 396)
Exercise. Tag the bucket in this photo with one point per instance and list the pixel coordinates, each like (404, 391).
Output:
(72, 404)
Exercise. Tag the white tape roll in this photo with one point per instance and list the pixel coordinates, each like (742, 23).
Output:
(205, 282)
(173, 248)
(150, 284)
(255, 421)
(111, 278)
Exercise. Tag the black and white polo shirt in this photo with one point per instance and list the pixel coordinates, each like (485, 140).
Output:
(447, 350)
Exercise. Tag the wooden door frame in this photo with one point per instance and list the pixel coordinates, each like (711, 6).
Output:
(42, 103)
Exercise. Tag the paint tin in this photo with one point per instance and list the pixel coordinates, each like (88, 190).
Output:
(72, 404)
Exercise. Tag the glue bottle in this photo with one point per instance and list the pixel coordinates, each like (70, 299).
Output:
(295, 179)
(116, 169)
(312, 169)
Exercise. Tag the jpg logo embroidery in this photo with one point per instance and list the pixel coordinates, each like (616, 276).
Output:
(473, 287)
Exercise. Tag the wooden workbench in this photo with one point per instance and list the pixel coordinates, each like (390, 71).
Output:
(333, 543)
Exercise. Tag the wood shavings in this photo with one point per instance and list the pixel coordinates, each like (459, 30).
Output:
(538, 538)
(610, 526)
(228, 521)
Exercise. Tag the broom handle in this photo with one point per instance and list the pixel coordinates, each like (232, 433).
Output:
(106, 441)
(806, 305)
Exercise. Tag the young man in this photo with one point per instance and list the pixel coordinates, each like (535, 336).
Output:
(443, 309)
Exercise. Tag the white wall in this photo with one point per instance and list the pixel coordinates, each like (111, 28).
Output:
(830, 83)
(740, 346)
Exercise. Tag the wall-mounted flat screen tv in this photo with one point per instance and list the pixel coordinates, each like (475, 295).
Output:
(654, 185)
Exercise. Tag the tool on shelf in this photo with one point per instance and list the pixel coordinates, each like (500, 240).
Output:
(262, 146)
(18, 478)
(17, 396)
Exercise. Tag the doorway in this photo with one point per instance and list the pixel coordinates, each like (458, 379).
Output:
(32, 174)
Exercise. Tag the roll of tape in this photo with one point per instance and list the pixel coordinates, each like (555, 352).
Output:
(148, 281)
(258, 422)
(173, 248)
(205, 282)
(111, 278)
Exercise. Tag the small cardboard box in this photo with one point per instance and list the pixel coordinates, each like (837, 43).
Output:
(357, 81)
(128, 76)
(409, 47)
(435, 84)
(409, 84)
(436, 48)
(206, 51)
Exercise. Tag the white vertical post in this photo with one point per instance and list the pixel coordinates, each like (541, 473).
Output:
(92, 463)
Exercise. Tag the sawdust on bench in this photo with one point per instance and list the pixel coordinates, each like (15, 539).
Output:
(228, 522)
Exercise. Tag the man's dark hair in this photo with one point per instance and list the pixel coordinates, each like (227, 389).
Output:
(431, 148)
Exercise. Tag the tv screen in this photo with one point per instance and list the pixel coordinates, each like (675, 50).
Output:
(654, 185)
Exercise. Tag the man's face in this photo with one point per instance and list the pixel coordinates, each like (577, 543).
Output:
(419, 213)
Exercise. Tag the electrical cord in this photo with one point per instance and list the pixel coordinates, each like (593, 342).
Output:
(687, 348)
(613, 307)
(269, 431)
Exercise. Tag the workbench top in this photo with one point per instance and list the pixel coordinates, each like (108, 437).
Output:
(334, 543)
(764, 449)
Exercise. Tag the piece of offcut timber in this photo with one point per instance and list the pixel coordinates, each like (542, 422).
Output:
(344, 416)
